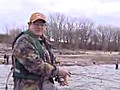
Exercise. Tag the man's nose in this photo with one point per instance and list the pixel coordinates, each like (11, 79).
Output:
(40, 26)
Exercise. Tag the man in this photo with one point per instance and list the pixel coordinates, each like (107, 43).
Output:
(5, 56)
(33, 61)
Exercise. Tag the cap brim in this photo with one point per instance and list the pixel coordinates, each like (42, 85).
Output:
(38, 19)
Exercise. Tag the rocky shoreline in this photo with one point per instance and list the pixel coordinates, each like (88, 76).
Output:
(72, 58)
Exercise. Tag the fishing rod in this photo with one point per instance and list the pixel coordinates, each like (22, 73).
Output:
(6, 87)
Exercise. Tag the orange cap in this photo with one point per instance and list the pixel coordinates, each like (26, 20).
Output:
(36, 16)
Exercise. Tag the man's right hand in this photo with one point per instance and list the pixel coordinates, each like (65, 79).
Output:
(63, 74)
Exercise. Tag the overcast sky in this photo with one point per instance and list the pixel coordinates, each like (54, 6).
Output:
(15, 13)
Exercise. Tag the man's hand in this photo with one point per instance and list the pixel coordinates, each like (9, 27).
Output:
(63, 77)
(64, 82)
(63, 73)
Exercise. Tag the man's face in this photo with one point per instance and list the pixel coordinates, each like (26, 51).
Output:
(37, 27)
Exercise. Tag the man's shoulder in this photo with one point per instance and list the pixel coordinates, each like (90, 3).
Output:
(24, 37)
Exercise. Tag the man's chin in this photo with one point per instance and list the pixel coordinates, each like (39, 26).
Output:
(39, 34)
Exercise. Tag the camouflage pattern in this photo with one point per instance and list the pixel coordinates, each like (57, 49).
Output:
(28, 56)
(21, 84)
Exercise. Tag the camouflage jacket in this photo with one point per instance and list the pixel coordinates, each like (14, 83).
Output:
(30, 58)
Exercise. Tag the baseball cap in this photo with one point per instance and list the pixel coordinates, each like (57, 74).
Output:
(37, 16)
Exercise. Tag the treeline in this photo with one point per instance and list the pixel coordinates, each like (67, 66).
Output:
(77, 33)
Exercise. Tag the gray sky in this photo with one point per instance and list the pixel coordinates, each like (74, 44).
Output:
(16, 13)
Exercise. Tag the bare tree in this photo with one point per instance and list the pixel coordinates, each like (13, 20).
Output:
(103, 34)
(85, 30)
